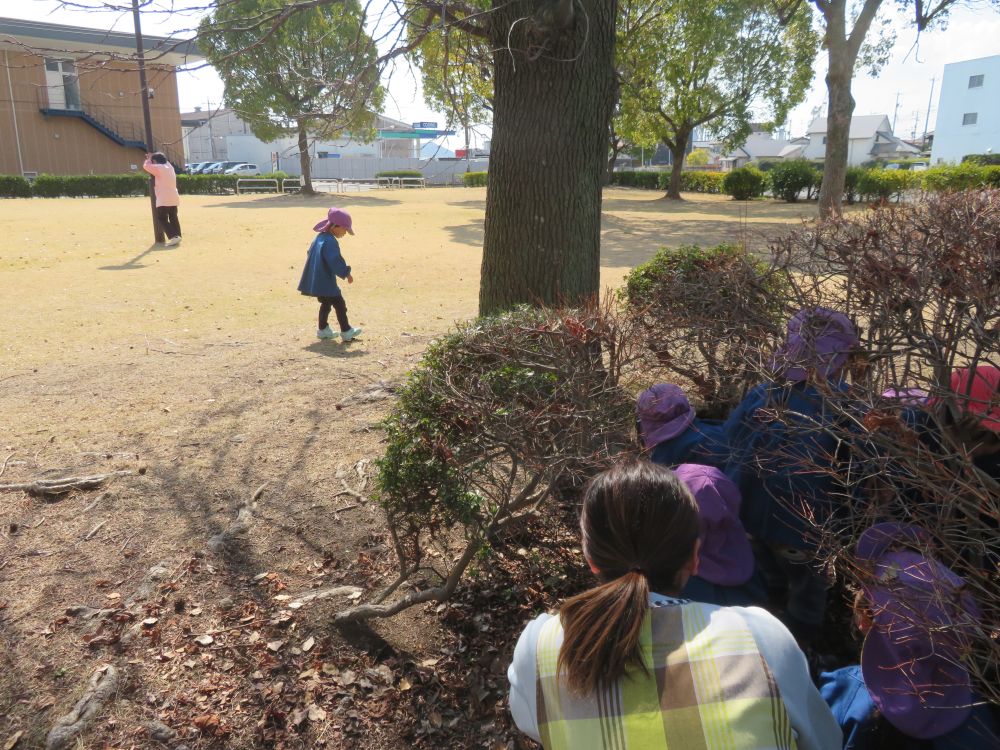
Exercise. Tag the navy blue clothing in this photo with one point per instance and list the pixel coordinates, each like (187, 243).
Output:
(778, 446)
(864, 729)
(323, 265)
(749, 594)
(701, 443)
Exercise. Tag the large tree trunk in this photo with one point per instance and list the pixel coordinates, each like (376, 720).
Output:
(838, 131)
(550, 140)
(842, 54)
(677, 153)
(304, 164)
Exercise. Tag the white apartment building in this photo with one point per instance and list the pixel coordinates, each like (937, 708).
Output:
(968, 117)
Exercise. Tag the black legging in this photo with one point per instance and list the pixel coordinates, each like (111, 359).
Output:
(168, 220)
(339, 306)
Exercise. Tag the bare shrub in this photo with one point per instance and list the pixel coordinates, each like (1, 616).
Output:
(495, 416)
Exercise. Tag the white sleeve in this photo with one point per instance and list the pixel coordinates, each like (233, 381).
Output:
(811, 719)
(522, 674)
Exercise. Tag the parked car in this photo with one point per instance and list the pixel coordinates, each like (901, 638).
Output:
(919, 166)
(246, 170)
(206, 167)
(220, 167)
(197, 167)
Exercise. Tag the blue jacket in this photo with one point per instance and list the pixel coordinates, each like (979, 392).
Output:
(702, 443)
(777, 450)
(864, 729)
(749, 594)
(323, 265)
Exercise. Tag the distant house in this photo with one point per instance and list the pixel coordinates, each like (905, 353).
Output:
(870, 138)
(968, 118)
(70, 99)
(763, 146)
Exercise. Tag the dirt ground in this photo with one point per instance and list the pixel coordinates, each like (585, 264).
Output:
(195, 370)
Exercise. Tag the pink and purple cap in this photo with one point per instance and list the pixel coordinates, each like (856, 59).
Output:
(664, 412)
(921, 614)
(725, 557)
(335, 217)
(818, 339)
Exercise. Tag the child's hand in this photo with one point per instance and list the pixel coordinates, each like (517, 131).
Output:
(350, 279)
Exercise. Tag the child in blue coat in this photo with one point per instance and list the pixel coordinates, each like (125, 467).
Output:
(780, 439)
(911, 690)
(324, 264)
(672, 433)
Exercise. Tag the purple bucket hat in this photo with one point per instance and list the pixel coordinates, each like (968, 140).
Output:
(725, 557)
(881, 538)
(664, 412)
(335, 217)
(910, 657)
(818, 339)
(908, 396)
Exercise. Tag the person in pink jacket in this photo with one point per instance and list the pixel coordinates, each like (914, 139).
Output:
(167, 197)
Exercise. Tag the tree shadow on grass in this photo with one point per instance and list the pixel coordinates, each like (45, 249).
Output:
(134, 263)
(318, 201)
(471, 234)
(627, 242)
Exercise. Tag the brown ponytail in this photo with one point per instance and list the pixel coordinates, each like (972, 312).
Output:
(640, 526)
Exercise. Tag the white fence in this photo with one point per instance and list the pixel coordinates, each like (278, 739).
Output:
(434, 171)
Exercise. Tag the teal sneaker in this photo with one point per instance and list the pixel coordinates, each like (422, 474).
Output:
(350, 334)
(326, 333)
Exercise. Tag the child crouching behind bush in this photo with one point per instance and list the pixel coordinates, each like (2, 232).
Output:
(780, 440)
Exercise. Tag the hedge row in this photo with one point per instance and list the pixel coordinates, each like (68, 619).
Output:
(115, 185)
(474, 179)
(400, 173)
(787, 180)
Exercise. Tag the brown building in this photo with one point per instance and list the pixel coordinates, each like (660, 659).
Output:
(69, 99)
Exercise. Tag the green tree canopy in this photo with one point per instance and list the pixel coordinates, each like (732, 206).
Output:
(717, 64)
(315, 73)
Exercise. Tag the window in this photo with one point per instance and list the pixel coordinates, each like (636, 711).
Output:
(975, 82)
(970, 118)
(824, 140)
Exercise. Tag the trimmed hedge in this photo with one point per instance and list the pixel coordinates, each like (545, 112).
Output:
(474, 179)
(207, 184)
(400, 173)
(966, 176)
(789, 178)
(14, 186)
(745, 183)
(701, 182)
(691, 182)
(885, 184)
(983, 160)
(91, 186)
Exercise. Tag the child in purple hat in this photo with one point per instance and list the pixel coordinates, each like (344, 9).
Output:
(672, 433)
(725, 560)
(781, 436)
(911, 690)
(324, 264)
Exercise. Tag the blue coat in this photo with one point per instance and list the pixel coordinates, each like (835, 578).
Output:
(702, 443)
(323, 265)
(777, 462)
(863, 727)
(749, 594)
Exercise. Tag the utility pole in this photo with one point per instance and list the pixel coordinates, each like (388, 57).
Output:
(927, 119)
(468, 168)
(895, 113)
(147, 118)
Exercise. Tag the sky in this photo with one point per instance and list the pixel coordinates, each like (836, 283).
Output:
(915, 62)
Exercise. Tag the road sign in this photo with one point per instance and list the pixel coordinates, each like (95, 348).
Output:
(425, 126)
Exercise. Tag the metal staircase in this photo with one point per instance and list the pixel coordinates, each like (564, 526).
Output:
(125, 134)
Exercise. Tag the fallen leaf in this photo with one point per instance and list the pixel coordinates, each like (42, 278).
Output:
(405, 684)
(207, 723)
(282, 598)
(275, 645)
(13, 740)
(429, 662)
(435, 719)
(308, 644)
(315, 713)
(204, 640)
(149, 622)
(195, 612)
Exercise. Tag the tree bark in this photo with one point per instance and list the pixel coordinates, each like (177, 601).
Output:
(677, 153)
(842, 55)
(304, 164)
(553, 98)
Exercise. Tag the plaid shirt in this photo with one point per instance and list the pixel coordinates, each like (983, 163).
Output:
(708, 687)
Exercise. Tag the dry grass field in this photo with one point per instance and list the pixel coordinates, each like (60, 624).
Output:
(195, 371)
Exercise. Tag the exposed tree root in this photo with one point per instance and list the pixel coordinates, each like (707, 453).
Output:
(49, 487)
(102, 687)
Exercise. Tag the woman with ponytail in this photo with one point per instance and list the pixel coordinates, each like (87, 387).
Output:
(630, 666)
